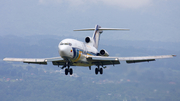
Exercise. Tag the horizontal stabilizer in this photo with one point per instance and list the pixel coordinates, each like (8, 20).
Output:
(87, 29)
(101, 29)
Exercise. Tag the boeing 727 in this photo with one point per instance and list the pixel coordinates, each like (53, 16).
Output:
(76, 53)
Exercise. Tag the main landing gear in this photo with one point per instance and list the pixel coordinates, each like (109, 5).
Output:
(98, 70)
(70, 70)
(67, 70)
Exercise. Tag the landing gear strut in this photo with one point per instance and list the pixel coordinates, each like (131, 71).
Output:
(98, 70)
(67, 70)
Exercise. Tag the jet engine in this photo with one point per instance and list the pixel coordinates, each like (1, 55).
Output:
(104, 53)
(87, 39)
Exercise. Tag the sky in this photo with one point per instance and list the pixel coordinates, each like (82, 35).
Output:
(152, 20)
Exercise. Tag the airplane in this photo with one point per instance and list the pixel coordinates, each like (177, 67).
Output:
(76, 53)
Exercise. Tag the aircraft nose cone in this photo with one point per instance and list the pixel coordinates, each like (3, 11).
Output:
(63, 51)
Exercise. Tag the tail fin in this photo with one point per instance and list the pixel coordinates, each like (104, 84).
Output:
(97, 31)
(96, 36)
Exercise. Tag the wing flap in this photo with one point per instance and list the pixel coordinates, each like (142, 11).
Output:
(100, 60)
(105, 62)
(136, 61)
(43, 63)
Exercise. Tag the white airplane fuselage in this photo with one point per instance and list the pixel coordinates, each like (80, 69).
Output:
(76, 51)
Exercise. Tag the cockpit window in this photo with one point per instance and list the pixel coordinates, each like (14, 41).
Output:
(66, 44)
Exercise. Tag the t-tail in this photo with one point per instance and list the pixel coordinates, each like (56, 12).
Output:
(97, 31)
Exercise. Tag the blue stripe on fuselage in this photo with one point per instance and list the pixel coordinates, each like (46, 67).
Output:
(76, 52)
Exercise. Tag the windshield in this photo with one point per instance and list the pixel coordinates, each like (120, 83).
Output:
(66, 44)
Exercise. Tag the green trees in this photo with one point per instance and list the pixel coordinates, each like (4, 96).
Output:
(33, 84)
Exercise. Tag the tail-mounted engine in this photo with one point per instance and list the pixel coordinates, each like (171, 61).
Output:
(87, 39)
(104, 53)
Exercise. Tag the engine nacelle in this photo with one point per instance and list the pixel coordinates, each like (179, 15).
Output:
(104, 53)
(87, 39)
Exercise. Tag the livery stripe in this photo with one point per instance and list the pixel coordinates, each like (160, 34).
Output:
(79, 55)
(74, 52)
(78, 52)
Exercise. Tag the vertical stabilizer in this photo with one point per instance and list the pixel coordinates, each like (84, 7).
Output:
(96, 36)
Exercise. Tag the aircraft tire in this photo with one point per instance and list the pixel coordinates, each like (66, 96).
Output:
(96, 71)
(71, 71)
(66, 71)
(101, 71)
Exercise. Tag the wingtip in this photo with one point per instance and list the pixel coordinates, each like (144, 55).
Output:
(4, 59)
(174, 55)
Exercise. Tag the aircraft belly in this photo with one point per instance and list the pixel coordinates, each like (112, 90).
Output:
(81, 61)
(82, 64)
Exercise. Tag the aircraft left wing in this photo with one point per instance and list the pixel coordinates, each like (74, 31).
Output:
(37, 61)
(144, 58)
(102, 60)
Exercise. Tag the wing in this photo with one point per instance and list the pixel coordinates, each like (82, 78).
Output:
(54, 60)
(101, 60)
(144, 58)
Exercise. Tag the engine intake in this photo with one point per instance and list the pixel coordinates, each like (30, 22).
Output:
(104, 53)
(87, 39)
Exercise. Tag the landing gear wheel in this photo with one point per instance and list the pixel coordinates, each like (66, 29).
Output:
(71, 71)
(101, 71)
(66, 71)
(96, 71)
